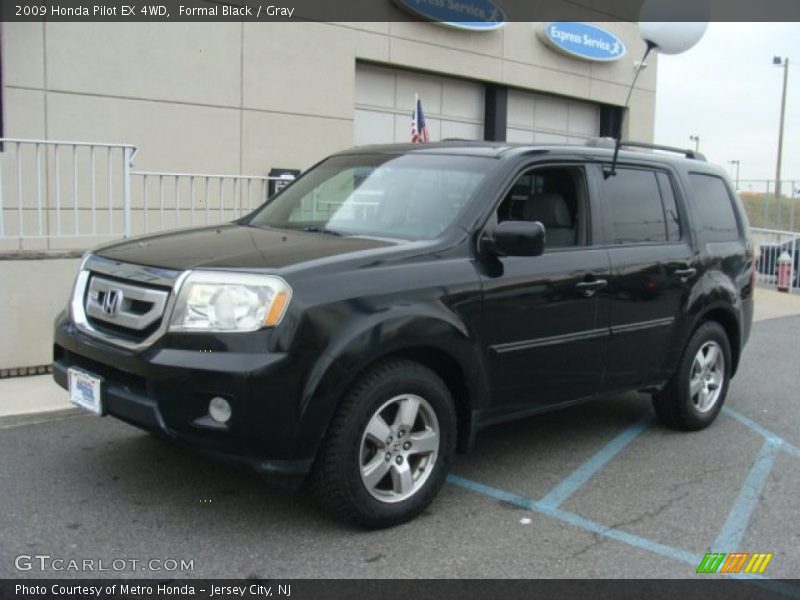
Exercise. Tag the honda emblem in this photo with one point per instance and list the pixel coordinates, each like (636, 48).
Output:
(111, 302)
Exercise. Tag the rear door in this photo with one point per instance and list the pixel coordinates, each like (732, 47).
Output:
(652, 268)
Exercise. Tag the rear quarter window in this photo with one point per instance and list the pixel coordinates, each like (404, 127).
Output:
(713, 209)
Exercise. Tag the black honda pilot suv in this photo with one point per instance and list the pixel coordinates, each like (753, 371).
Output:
(363, 325)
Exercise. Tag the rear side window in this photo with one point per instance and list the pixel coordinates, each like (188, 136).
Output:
(671, 216)
(713, 209)
(636, 210)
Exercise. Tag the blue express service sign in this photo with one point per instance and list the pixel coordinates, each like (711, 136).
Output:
(474, 15)
(582, 40)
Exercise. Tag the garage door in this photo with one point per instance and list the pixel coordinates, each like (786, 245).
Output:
(385, 100)
(541, 118)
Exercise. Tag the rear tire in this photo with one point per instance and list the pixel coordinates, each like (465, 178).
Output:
(694, 396)
(389, 447)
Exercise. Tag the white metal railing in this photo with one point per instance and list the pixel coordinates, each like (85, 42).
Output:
(164, 200)
(53, 189)
(774, 247)
(64, 195)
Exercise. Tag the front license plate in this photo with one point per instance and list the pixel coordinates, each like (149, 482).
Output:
(86, 391)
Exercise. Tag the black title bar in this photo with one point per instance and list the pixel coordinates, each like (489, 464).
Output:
(395, 10)
(700, 588)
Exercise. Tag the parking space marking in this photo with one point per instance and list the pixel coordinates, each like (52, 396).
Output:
(793, 450)
(616, 534)
(568, 486)
(766, 433)
(735, 526)
(729, 537)
(579, 521)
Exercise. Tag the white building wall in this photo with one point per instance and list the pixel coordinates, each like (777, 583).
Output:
(241, 98)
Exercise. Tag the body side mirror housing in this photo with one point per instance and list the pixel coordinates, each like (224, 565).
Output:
(516, 238)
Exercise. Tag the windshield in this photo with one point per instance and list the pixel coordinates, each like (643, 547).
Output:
(412, 196)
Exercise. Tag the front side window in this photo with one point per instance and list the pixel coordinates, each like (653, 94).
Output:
(636, 211)
(412, 196)
(554, 196)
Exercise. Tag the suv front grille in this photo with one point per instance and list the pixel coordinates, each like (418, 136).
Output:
(122, 303)
(127, 308)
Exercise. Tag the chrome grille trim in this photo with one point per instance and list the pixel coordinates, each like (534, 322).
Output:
(140, 273)
(91, 265)
(118, 311)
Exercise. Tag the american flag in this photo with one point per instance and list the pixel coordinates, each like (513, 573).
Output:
(419, 131)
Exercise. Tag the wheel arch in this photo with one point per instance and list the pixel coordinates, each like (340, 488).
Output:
(730, 323)
(454, 377)
(438, 344)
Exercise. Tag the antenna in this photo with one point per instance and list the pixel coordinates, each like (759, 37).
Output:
(640, 65)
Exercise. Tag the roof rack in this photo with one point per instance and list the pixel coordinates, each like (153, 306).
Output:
(607, 142)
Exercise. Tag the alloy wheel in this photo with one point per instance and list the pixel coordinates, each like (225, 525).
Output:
(707, 376)
(399, 448)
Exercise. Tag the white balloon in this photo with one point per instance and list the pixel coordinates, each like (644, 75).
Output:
(673, 26)
(672, 37)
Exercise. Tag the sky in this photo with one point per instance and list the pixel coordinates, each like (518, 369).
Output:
(727, 91)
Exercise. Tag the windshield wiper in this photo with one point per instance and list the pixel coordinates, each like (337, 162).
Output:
(319, 229)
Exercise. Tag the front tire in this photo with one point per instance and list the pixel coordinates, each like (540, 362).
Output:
(695, 394)
(389, 446)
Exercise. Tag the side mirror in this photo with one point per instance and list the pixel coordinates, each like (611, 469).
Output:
(517, 238)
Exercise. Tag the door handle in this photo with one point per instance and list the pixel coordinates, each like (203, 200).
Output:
(590, 287)
(685, 274)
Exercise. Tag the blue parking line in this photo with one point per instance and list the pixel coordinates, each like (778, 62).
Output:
(793, 450)
(573, 519)
(766, 433)
(616, 534)
(735, 526)
(731, 534)
(559, 494)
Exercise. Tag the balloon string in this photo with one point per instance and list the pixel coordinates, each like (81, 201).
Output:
(613, 170)
(639, 69)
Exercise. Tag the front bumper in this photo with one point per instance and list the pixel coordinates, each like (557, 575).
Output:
(166, 388)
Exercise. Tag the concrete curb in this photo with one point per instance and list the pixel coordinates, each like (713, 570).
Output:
(34, 418)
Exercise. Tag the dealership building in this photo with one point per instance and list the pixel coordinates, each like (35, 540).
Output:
(248, 97)
(245, 98)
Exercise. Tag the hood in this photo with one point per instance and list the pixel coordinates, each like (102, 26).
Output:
(235, 246)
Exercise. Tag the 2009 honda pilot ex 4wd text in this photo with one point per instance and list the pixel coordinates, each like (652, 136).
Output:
(362, 325)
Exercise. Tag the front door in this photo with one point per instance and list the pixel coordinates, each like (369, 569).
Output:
(547, 315)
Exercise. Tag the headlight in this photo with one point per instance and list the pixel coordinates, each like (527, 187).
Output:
(224, 301)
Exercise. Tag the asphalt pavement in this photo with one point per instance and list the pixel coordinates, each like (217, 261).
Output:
(594, 491)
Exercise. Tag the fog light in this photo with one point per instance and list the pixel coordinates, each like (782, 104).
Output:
(219, 409)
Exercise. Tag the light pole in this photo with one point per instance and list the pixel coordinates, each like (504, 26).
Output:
(735, 163)
(780, 62)
(696, 140)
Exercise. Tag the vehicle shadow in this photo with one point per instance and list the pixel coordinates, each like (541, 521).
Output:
(159, 480)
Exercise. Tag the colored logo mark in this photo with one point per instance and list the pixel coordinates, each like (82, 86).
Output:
(734, 562)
